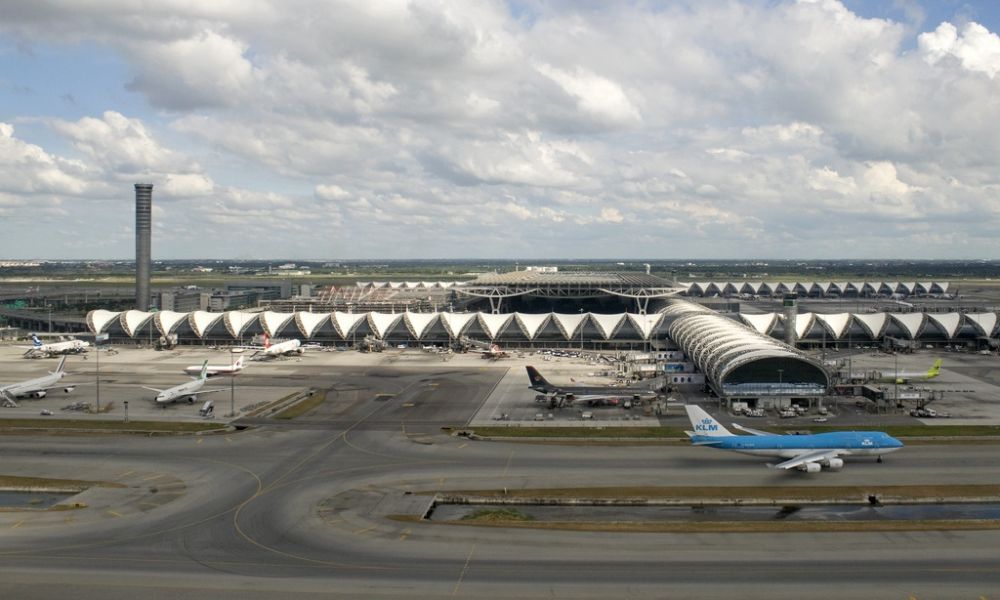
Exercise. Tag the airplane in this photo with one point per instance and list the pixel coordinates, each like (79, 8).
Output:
(592, 395)
(190, 389)
(35, 388)
(907, 377)
(54, 348)
(269, 350)
(493, 353)
(214, 370)
(809, 453)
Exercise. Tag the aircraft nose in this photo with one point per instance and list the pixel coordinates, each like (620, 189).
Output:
(895, 443)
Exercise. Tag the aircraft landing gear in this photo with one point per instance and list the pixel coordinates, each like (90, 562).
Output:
(879, 460)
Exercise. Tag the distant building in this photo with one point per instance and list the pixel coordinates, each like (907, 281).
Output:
(265, 290)
(231, 300)
(184, 300)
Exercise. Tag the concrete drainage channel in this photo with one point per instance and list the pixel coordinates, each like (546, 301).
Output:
(452, 508)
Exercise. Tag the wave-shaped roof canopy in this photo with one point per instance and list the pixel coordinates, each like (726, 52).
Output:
(99, 320)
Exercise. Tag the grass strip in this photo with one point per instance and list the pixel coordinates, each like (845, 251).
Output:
(19, 482)
(497, 515)
(303, 406)
(131, 426)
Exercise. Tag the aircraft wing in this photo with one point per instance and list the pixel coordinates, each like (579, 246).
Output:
(151, 389)
(593, 397)
(748, 430)
(199, 392)
(808, 457)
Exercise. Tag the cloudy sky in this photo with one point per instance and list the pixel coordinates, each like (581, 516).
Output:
(520, 129)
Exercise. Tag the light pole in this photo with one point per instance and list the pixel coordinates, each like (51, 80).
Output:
(895, 377)
(97, 371)
(97, 358)
(232, 387)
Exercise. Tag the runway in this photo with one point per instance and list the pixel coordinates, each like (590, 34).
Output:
(298, 511)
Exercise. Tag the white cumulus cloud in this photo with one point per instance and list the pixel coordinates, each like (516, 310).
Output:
(976, 48)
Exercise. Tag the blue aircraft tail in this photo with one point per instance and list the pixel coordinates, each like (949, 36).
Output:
(703, 423)
(34, 340)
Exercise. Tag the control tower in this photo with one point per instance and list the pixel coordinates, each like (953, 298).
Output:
(143, 235)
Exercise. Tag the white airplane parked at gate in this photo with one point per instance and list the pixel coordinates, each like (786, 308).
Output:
(269, 350)
(35, 388)
(214, 370)
(190, 390)
(285, 348)
(54, 348)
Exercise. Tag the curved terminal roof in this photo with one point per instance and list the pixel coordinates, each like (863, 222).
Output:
(873, 323)
(531, 324)
(383, 323)
(494, 324)
(803, 324)
(345, 323)
(739, 360)
(134, 320)
(202, 321)
(569, 323)
(168, 320)
(202, 324)
(911, 323)
(948, 323)
(607, 324)
(984, 323)
(645, 324)
(99, 320)
(808, 288)
(456, 323)
(763, 323)
(237, 321)
(836, 324)
(418, 323)
(272, 322)
(309, 322)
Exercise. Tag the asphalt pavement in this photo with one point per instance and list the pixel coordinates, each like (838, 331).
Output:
(305, 508)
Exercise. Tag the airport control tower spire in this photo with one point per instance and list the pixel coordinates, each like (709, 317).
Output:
(143, 234)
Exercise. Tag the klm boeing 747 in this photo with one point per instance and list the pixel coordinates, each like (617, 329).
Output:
(809, 453)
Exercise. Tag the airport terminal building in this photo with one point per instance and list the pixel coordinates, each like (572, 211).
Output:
(740, 354)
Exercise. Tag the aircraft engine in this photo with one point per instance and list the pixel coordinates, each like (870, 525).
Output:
(69, 389)
(835, 464)
(191, 399)
(811, 467)
(39, 394)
